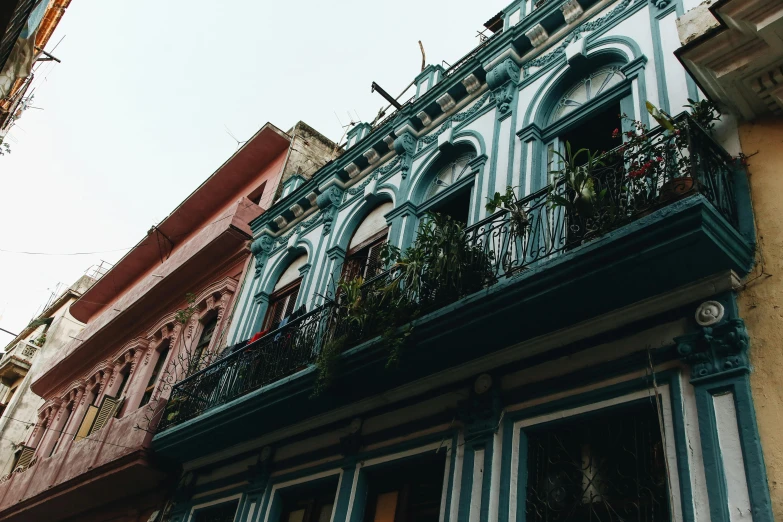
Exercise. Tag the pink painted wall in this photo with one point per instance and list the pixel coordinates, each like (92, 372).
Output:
(117, 440)
(139, 297)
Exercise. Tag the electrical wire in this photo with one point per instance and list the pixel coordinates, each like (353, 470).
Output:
(61, 253)
(62, 432)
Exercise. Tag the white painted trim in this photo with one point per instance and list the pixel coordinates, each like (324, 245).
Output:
(701, 507)
(214, 502)
(670, 450)
(731, 455)
(476, 486)
(293, 482)
(456, 483)
(407, 453)
(670, 447)
(336, 497)
(218, 490)
(435, 446)
(707, 287)
(352, 496)
(445, 490)
(494, 479)
(251, 512)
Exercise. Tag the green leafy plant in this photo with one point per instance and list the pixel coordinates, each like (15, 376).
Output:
(183, 315)
(326, 363)
(518, 213)
(441, 266)
(584, 196)
(704, 112)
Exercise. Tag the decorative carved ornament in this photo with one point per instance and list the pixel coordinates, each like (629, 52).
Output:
(716, 351)
(709, 313)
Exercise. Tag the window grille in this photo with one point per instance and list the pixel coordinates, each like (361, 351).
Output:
(608, 468)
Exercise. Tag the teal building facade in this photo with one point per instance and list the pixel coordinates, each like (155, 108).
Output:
(599, 372)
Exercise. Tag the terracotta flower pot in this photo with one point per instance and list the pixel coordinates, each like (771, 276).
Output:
(677, 188)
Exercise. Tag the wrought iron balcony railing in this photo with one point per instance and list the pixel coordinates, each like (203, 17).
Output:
(632, 181)
(281, 352)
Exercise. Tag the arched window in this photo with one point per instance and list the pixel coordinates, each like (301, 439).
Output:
(283, 298)
(587, 89)
(61, 436)
(204, 340)
(163, 354)
(590, 117)
(363, 256)
(449, 191)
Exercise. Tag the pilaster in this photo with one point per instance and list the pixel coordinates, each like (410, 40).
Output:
(717, 352)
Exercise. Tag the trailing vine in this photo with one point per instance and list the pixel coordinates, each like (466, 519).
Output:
(440, 267)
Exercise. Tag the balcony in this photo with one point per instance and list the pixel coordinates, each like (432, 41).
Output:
(537, 268)
(16, 362)
(278, 354)
(111, 464)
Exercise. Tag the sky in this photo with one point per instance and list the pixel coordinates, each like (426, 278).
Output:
(135, 116)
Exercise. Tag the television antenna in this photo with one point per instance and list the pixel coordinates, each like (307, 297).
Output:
(239, 143)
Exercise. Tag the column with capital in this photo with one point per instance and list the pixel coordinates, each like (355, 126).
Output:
(53, 431)
(717, 353)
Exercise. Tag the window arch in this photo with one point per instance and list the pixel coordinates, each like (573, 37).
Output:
(363, 255)
(449, 174)
(284, 295)
(448, 184)
(200, 351)
(587, 89)
(586, 107)
(162, 355)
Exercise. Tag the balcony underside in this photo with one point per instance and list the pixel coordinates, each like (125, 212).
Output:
(121, 482)
(13, 368)
(671, 248)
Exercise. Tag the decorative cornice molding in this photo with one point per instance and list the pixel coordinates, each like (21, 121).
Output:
(447, 124)
(471, 83)
(715, 351)
(446, 102)
(537, 35)
(372, 156)
(425, 118)
(352, 169)
(571, 11)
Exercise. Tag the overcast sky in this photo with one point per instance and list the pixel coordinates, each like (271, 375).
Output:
(134, 117)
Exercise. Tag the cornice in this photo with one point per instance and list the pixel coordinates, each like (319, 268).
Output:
(459, 86)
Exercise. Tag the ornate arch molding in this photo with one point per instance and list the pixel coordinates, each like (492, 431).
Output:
(211, 301)
(280, 264)
(47, 412)
(129, 349)
(464, 142)
(73, 392)
(358, 214)
(209, 297)
(165, 328)
(589, 55)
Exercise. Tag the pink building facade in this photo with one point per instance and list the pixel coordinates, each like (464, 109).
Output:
(163, 310)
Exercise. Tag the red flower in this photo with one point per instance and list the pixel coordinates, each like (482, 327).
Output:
(616, 133)
(659, 159)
